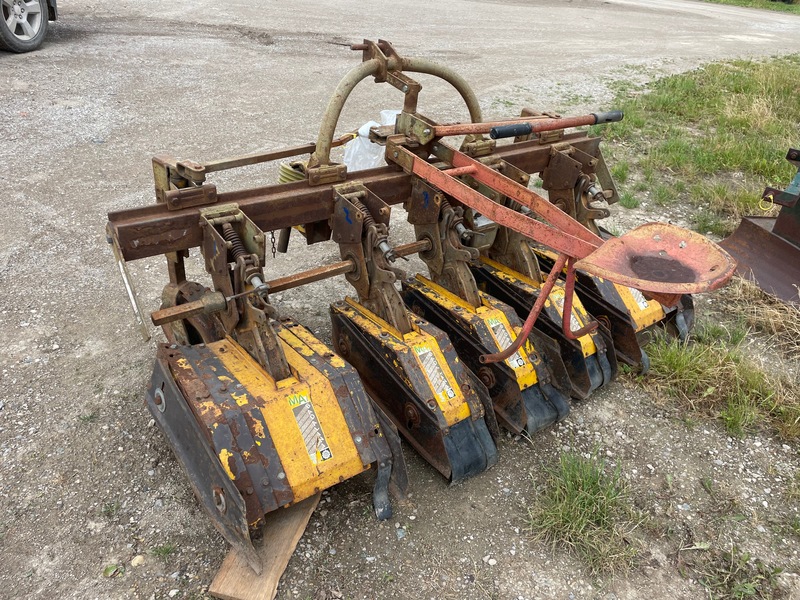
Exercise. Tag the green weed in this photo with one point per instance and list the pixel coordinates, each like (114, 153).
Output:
(88, 417)
(110, 509)
(734, 575)
(628, 200)
(709, 223)
(620, 171)
(721, 130)
(711, 376)
(588, 511)
(164, 551)
(791, 7)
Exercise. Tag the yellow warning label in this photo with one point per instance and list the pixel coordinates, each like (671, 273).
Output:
(643, 312)
(575, 323)
(435, 374)
(306, 417)
(503, 338)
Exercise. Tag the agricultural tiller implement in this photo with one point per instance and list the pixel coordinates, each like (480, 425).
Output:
(261, 414)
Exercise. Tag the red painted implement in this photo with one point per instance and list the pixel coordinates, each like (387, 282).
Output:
(659, 259)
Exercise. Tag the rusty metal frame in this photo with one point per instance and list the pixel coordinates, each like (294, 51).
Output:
(155, 230)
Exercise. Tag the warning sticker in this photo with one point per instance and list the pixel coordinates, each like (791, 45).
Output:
(504, 340)
(434, 372)
(316, 444)
(574, 323)
(639, 297)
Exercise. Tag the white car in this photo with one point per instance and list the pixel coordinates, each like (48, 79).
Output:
(23, 23)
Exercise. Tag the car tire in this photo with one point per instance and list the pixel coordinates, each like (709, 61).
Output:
(23, 24)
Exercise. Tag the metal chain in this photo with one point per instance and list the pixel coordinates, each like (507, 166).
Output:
(272, 239)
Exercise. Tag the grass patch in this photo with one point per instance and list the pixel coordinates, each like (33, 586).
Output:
(164, 551)
(88, 417)
(663, 195)
(710, 375)
(110, 509)
(628, 200)
(734, 575)
(620, 171)
(790, 7)
(765, 314)
(707, 222)
(721, 131)
(588, 511)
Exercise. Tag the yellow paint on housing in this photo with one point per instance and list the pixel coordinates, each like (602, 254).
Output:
(644, 313)
(495, 321)
(439, 377)
(511, 273)
(326, 454)
(304, 342)
(579, 316)
(241, 399)
(224, 456)
(258, 431)
(376, 321)
(504, 335)
(441, 384)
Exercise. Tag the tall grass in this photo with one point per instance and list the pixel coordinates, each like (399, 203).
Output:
(714, 136)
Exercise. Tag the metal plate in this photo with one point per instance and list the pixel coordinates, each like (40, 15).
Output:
(212, 487)
(661, 258)
(765, 258)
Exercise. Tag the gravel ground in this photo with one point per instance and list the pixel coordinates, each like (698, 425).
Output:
(86, 479)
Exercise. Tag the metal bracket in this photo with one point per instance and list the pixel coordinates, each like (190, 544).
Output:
(191, 196)
(323, 174)
(360, 225)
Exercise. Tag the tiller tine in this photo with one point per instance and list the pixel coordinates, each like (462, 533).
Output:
(768, 248)
(259, 412)
(522, 388)
(435, 402)
(252, 444)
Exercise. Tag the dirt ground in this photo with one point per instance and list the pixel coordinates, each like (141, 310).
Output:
(86, 480)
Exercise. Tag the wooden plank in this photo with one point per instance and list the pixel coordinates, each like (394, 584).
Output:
(283, 528)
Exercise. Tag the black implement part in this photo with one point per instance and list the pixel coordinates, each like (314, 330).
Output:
(396, 384)
(211, 485)
(611, 116)
(506, 131)
(586, 373)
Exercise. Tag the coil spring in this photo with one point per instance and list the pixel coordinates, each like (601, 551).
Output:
(457, 219)
(368, 220)
(237, 247)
